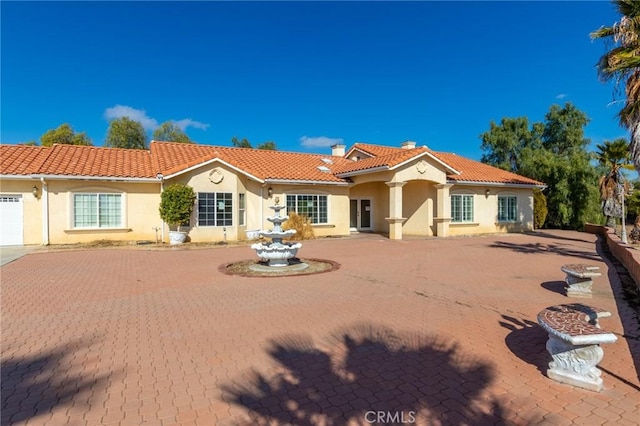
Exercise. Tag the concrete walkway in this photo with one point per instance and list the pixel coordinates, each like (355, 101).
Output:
(434, 332)
(11, 253)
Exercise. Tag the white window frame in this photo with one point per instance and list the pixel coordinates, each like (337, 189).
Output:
(507, 198)
(215, 209)
(97, 225)
(310, 194)
(463, 214)
(242, 209)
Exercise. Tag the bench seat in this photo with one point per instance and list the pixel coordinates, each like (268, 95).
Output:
(579, 278)
(574, 343)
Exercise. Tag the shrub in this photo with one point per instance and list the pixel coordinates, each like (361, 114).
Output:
(176, 204)
(539, 208)
(302, 225)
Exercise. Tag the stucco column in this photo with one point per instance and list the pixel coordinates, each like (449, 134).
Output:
(443, 210)
(395, 218)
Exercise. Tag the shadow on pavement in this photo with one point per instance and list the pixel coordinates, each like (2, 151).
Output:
(535, 248)
(553, 236)
(527, 341)
(365, 370)
(555, 286)
(33, 386)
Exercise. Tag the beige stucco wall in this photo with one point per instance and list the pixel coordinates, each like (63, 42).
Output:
(337, 204)
(32, 207)
(141, 201)
(199, 180)
(257, 203)
(378, 193)
(486, 211)
(418, 206)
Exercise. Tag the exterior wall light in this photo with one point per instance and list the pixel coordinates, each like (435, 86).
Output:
(487, 192)
(270, 192)
(34, 191)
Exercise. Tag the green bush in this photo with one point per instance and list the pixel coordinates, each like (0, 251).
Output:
(302, 225)
(176, 204)
(539, 208)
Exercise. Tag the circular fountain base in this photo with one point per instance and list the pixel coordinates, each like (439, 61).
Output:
(253, 268)
(291, 267)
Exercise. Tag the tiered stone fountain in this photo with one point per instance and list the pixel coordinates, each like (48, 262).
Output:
(276, 252)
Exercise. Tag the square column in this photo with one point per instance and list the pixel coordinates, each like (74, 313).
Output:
(443, 210)
(395, 218)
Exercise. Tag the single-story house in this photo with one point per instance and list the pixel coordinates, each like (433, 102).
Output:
(69, 194)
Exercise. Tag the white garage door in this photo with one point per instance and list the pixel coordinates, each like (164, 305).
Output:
(11, 220)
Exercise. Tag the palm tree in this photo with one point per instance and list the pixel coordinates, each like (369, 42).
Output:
(613, 156)
(622, 65)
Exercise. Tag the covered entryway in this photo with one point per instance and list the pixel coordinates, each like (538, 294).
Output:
(11, 220)
(360, 214)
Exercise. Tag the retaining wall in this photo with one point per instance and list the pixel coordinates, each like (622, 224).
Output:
(628, 256)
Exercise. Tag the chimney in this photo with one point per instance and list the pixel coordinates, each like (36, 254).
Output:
(338, 150)
(408, 145)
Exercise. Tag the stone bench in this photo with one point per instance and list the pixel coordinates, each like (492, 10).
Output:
(579, 279)
(574, 344)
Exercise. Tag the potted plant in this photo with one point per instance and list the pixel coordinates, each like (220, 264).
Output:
(176, 206)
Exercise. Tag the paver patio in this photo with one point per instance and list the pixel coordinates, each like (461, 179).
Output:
(443, 330)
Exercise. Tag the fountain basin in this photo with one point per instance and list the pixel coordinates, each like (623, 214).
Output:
(277, 254)
(278, 234)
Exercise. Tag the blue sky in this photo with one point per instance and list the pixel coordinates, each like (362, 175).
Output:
(304, 75)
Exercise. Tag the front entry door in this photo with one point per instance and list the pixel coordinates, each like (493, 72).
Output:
(360, 214)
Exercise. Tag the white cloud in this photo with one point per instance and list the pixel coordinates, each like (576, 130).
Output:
(187, 122)
(149, 123)
(320, 141)
(138, 115)
(561, 96)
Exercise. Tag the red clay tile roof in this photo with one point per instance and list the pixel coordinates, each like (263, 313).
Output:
(74, 160)
(389, 159)
(262, 164)
(475, 171)
(375, 150)
(21, 159)
(470, 170)
(171, 158)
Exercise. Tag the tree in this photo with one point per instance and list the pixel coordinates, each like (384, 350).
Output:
(553, 152)
(622, 64)
(539, 208)
(270, 145)
(125, 133)
(64, 134)
(176, 204)
(504, 143)
(612, 157)
(244, 143)
(168, 131)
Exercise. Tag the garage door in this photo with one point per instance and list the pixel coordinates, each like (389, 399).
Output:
(11, 220)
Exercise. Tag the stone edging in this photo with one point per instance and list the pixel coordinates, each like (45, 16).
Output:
(629, 257)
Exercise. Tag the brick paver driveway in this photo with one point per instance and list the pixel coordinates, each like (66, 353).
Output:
(431, 331)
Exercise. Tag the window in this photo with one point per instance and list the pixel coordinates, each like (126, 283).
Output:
(241, 210)
(215, 209)
(97, 210)
(507, 208)
(312, 206)
(461, 208)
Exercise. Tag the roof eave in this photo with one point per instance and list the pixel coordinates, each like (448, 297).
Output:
(502, 184)
(305, 182)
(363, 171)
(99, 178)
